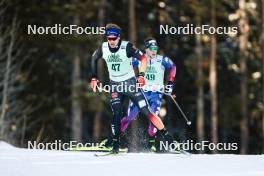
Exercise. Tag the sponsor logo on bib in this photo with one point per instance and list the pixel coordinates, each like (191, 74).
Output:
(114, 58)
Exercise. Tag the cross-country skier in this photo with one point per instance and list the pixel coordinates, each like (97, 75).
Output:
(157, 65)
(118, 55)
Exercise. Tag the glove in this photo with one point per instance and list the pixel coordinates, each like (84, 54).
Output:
(141, 79)
(93, 84)
(169, 88)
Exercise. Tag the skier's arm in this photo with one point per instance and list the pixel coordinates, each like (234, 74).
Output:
(143, 66)
(95, 57)
(171, 67)
(136, 53)
(135, 63)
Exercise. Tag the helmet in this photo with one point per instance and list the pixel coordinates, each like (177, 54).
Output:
(150, 42)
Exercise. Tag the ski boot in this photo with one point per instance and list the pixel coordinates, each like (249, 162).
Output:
(152, 144)
(163, 139)
(107, 143)
(166, 136)
(116, 144)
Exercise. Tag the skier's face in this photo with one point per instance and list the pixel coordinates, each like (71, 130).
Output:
(152, 51)
(113, 41)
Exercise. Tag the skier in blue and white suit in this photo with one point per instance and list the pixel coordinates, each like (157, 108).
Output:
(154, 85)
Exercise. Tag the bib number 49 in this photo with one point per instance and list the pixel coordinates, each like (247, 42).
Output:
(116, 67)
(150, 77)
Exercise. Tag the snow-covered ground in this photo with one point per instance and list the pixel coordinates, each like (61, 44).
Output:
(23, 162)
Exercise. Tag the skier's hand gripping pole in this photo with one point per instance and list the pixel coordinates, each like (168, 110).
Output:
(141, 79)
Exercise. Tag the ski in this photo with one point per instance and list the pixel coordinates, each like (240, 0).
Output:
(179, 152)
(96, 149)
(109, 154)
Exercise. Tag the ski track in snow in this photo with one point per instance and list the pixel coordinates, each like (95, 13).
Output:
(24, 162)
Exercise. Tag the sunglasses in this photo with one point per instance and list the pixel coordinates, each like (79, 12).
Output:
(112, 38)
(153, 48)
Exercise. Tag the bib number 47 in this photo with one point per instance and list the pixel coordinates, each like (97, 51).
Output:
(116, 67)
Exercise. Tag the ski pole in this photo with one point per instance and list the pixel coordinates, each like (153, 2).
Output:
(175, 102)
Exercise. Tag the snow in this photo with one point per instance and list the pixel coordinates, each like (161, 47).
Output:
(24, 162)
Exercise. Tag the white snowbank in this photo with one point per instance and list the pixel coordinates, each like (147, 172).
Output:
(5, 145)
(23, 162)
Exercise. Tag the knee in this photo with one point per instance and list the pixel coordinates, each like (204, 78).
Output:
(152, 130)
(146, 111)
(116, 107)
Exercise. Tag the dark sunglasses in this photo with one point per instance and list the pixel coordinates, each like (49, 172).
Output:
(112, 38)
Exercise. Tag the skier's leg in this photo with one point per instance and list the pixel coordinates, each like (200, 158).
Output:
(132, 113)
(155, 104)
(116, 105)
(117, 112)
(140, 100)
(163, 134)
(145, 109)
(137, 96)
